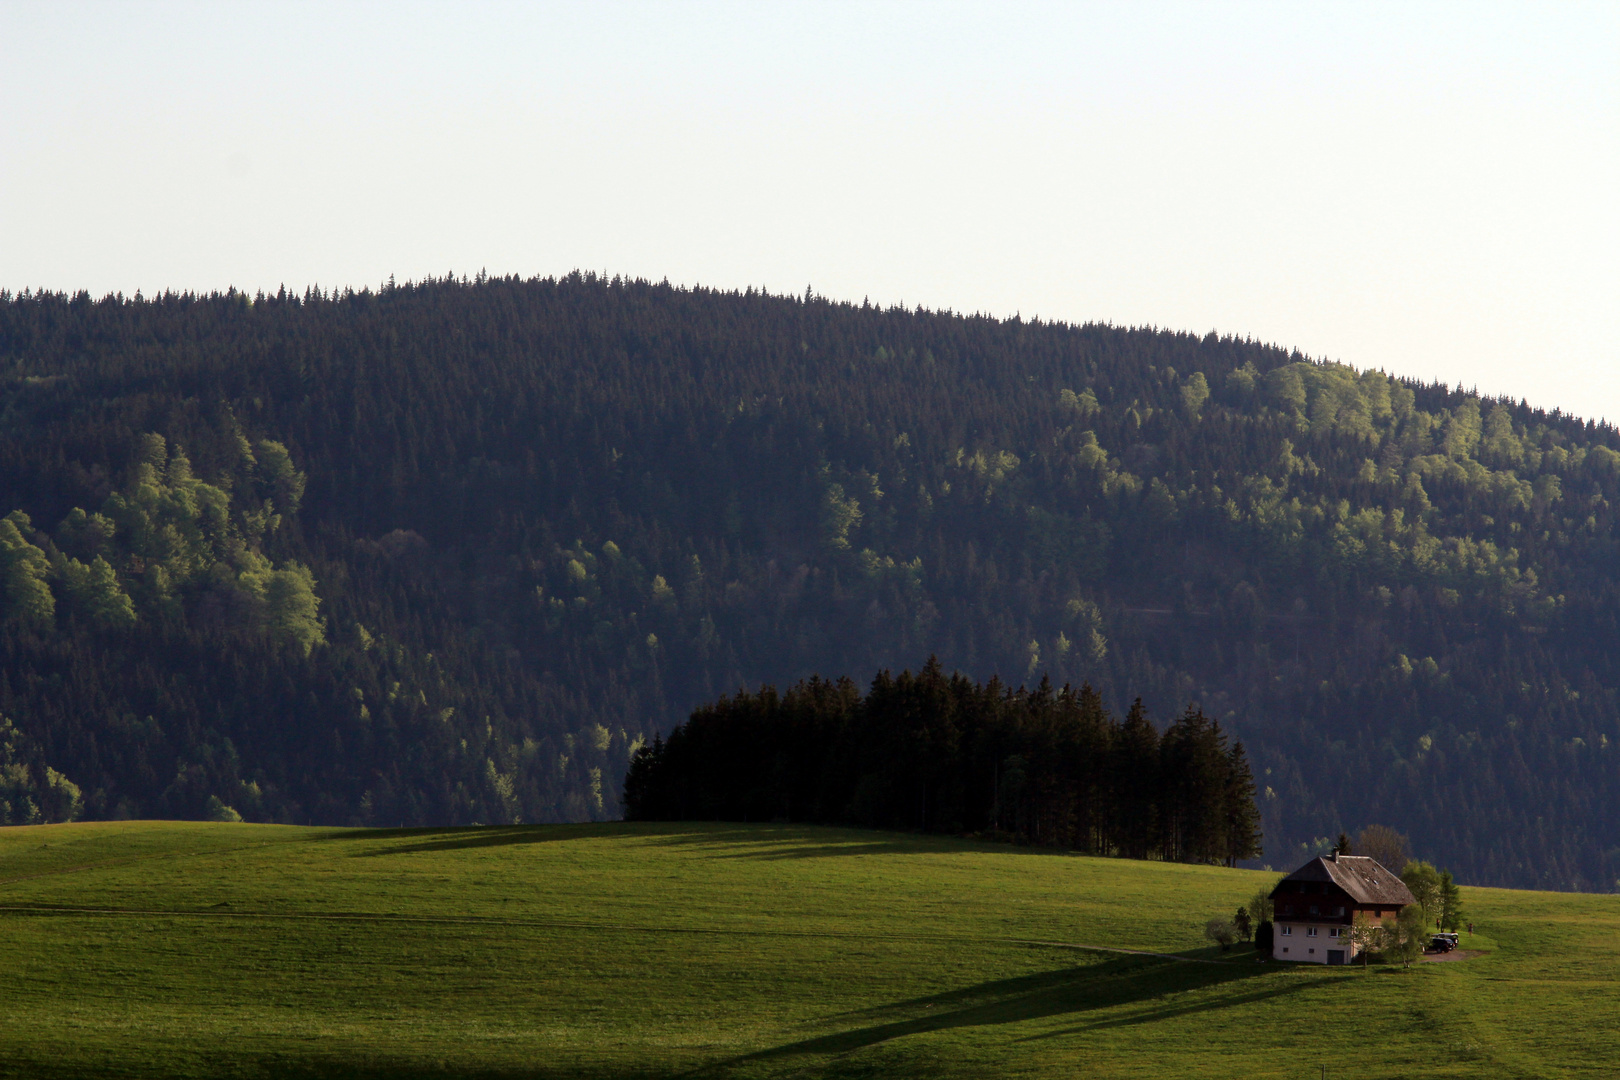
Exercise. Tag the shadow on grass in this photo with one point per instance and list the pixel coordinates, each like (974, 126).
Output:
(362, 1065)
(723, 839)
(1077, 991)
(452, 838)
(726, 840)
(779, 841)
(463, 836)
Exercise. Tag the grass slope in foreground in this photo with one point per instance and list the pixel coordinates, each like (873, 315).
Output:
(158, 949)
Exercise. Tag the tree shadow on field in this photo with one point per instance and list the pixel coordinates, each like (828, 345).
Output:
(1077, 991)
(783, 841)
(375, 1065)
(722, 840)
(475, 836)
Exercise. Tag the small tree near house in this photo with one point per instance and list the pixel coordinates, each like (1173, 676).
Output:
(1408, 934)
(1365, 936)
(1424, 881)
(1452, 915)
(1221, 931)
(1261, 907)
(1243, 924)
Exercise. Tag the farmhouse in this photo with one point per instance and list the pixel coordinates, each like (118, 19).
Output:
(1316, 904)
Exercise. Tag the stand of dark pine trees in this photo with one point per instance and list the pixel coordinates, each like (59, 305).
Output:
(947, 754)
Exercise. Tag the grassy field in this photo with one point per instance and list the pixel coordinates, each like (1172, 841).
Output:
(163, 949)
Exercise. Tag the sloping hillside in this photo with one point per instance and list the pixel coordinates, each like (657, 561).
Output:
(450, 552)
(172, 950)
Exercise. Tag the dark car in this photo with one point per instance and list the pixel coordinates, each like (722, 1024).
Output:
(1442, 943)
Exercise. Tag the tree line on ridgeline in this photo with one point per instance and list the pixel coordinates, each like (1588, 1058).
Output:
(453, 551)
(934, 753)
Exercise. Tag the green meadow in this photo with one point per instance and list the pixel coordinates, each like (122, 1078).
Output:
(139, 949)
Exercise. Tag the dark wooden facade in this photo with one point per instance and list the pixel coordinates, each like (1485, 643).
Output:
(1316, 905)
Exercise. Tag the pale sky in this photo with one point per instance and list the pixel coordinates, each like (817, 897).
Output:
(1430, 189)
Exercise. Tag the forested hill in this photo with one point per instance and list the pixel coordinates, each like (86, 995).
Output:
(451, 552)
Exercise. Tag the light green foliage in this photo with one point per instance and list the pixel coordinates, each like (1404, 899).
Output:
(1462, 431)
(1546, 491)
(1424, 881)
(505, 791)
(28, 599)
(1260, 905)
(190, 950)
(661, 592)
(1395, 537)
(1402, 401)
(1405, 938)
(165, 535)
(1242, 382)
(1091, 455)
(1290, 464)
(1479, 452)
(168, 517)
(1452, 915)
(26, 796)
(839, 514)
(1500, 446)
(218, 811)
(1084, 403)
(1160, 502)
(1094, 459)
(987, 468)
(91, 534)
(1221, 931)
(887, 567)
(1087, 619)
(285, 480)
(1602, 461)
(1285, 387)
(97, 594)
(291, 608)
(1194, 392)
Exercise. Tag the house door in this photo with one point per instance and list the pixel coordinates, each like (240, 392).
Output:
(1335, 956)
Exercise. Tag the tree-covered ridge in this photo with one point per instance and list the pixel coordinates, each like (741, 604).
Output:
(938, 754)
(574, 510)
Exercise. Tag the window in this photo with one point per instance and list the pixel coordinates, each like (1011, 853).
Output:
(1310, 931)
(1285, 948)
(1313, 952)
(1287, 931)
(1338, 912)
(1313, 909)
(1288, 909)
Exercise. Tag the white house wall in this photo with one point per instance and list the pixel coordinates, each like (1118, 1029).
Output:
(1298, 945)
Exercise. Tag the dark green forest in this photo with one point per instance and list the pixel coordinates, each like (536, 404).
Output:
(454, 551)
(934, 754)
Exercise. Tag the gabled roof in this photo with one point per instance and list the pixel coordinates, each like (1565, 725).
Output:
(1365, 879)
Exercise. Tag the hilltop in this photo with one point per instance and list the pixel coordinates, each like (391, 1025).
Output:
(162, 949)
(450, 552)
